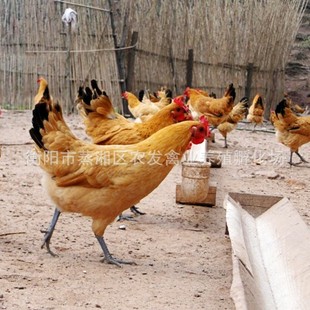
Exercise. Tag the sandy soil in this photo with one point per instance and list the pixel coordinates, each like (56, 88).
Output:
(183, 257)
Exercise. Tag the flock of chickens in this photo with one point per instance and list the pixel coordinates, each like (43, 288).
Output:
(127, 160)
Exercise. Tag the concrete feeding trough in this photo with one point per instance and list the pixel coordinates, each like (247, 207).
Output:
(270, 253)
(195, 188)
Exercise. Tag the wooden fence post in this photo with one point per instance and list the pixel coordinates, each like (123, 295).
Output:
(69, 104)
(130, 79)
(119, 54)
(189, 68)
(249, 75)
(173, 71)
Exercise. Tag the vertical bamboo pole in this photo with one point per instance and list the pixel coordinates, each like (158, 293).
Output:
(173, 71)
(249, 75)
(68, 70)
(130, 80)
(189, 68)
(119, 58)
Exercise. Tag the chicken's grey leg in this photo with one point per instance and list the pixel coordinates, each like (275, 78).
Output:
(301, 158)
(225, 142)
(135, 211)
(49, 232)
(107, 255)
(291, 159)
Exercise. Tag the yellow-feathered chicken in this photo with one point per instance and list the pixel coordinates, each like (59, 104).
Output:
(256, 111)
(161, 98)
(291, 130)
(236, 115)
(105, 126)
(101, 181)
(142, 111)
(216, 110)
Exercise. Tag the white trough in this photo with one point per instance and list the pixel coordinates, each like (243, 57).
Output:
(270, 253)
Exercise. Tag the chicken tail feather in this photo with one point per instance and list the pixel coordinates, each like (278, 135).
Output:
(47, 117)
(280, 108)
(245, 101)
(259, 102)
(141, 94)
(40, 113)
(88, 96)
(231, 92)
(95, 87)
(168, 93)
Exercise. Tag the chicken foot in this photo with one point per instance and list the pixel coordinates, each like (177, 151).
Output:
(49, 232)
(301, 158)
(134, 210)
(107, 255)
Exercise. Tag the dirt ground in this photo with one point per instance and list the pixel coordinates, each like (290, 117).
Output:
(183, 257)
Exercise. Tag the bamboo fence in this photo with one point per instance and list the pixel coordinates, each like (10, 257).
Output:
(35, 42)
(242, 42)
(226, 38)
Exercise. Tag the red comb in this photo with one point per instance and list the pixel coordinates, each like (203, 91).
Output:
(180, 102)
(186, 91)
(203, 120)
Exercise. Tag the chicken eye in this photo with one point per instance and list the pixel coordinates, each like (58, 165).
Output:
(201, 129)
(178, 109)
